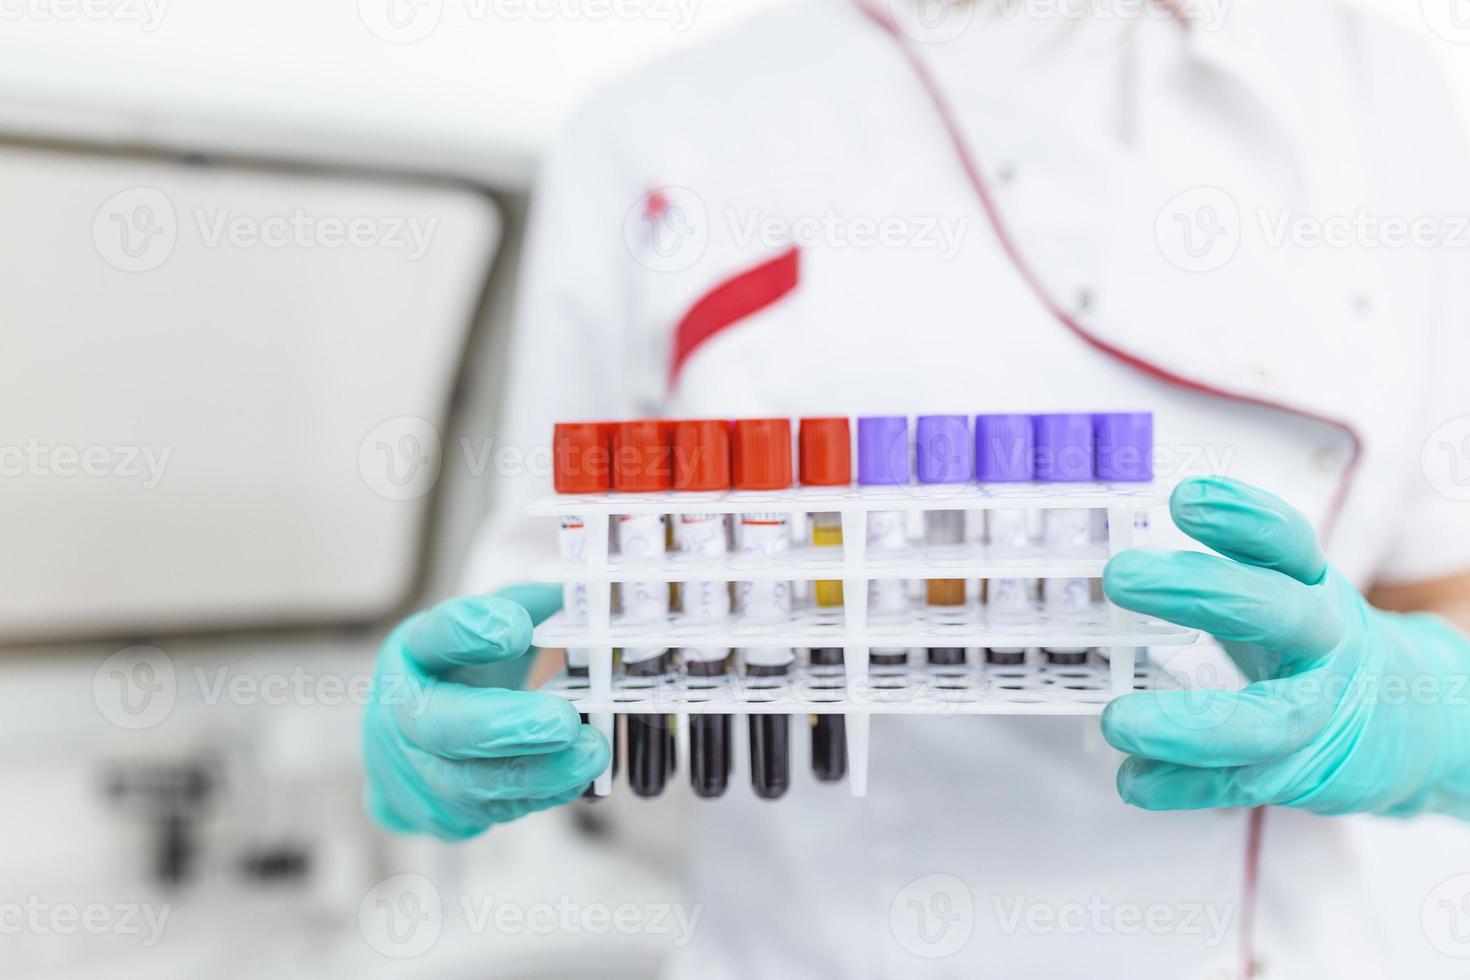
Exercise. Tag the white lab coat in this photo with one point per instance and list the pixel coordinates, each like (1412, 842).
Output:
(1086, 130)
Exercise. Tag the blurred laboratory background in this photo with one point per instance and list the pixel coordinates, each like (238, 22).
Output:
(258, 260)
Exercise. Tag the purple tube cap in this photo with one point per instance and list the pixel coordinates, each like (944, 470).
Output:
(1004, 449)
(1125, 446)
(883, 450)
(1063, 447)
(944, 449)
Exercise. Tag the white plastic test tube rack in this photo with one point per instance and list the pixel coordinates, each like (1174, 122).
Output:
(1030, 689)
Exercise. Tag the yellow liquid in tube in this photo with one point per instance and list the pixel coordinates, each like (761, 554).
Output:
(826, 534)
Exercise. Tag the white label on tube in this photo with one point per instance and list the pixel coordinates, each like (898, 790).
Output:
(572, 540)
(703, 535)
(705, 602)
(1009, 596)
(1068, 528)
(767, 535)
(1067, 595)
(887, 531)
(1008, 531)
(642, 536)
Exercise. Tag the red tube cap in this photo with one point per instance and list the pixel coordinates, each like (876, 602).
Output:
(581, 454)
(641, 456)
(826, 452)
(702, 454)
(762, 454)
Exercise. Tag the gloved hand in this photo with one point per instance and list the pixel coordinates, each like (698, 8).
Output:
(448, 755)
(1351, 708)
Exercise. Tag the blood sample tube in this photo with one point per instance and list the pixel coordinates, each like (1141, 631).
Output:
(581, 464)
(825, 452)
(1004, 453)
(642, 464)
(943, 455)
(761, 461)
(883, 460)
(1064, 454)
(702, 465)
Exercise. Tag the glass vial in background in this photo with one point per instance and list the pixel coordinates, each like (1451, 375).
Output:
(1064, 454)
(761, 461)
(581, 464)
(702, 465)
(824, 448)
(944, 455)
(1005, 453)
(884, 460)
(642, 453)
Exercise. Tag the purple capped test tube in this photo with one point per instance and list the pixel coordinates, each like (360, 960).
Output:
(1124, 446)
(883, 460)
(1064, 447)
(1005, 453)
(883, 450)
(1005, 450)
(944, 453)
(1064, 454)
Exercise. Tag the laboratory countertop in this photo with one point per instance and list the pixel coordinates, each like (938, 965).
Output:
(461, 89)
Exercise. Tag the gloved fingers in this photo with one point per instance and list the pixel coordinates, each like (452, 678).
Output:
(552, 775)
(466, 630)
(1232, 601)
(453, 721)
(1250, 525)
(1153, 785)
(1210, 729)
(405, 809)
(539, 600)
(504, 811)
(461, 821)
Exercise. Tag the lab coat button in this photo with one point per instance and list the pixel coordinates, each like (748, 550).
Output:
(1263, 375)
(1005, 173)
(1085, 300)
(1362, 304)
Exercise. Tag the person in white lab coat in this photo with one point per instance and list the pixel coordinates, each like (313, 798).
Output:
(844, 209)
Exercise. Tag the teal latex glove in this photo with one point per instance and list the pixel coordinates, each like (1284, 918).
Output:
(1351, 708)
(448, 750)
